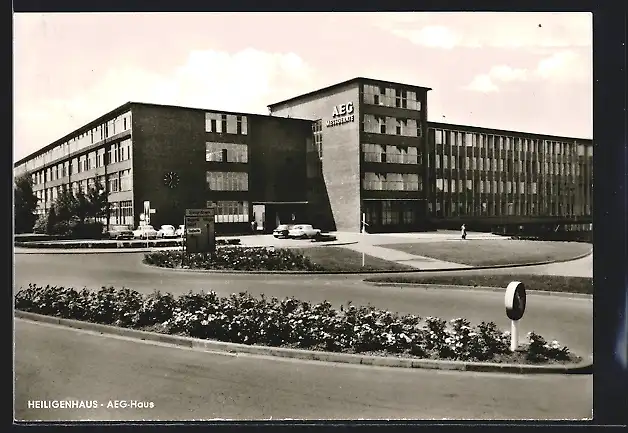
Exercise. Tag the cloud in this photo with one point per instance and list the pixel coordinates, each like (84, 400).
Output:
(482, 83)
(240, 81)
(431, 36)
(498, 30)
(486, 83)
(506, 73)
(564, 66)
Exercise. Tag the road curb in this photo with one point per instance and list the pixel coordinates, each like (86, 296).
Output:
(370, 272)
(480, 288)
(37, 249)
(585, 367)
(92, 251)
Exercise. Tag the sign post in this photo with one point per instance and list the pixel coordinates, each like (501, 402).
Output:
(200, 235)
(515, 303)
(147, 212)
(363, 231)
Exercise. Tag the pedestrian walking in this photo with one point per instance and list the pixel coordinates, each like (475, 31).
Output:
(463, 231)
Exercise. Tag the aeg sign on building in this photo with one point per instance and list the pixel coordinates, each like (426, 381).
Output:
(328, 157)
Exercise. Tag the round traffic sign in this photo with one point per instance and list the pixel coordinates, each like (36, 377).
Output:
(515, 300)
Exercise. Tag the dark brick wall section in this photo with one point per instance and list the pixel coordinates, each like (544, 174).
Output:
(277, 158)
(168, 139)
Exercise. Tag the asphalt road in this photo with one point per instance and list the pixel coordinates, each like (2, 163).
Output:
(54, 363)
(564, 319)
(58, 363)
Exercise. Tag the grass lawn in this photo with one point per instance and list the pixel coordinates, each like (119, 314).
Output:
(494, 252)
(550, 283)
(343, 259)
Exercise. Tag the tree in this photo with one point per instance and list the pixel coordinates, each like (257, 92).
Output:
(65, 206)
(97, 201)
(82, 206)
(25, 204)
(51, 221)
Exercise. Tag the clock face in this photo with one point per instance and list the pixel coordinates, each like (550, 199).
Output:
(171, 179)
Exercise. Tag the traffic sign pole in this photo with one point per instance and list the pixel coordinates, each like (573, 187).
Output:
(514, 335)
(515, 303)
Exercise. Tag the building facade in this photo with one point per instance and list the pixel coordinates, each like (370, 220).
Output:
(250, 167)
(384, 162)
(371, 139)
(356, 154)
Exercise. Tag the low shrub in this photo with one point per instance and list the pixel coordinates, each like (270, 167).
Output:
(41, 225)
(234, 258)
(87, 230)
(242, 318)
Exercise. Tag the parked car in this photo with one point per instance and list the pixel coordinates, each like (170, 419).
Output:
(120, 232)
(167, 231)
(303, 231)
(145, 232)
(180, 232)
(282, 230)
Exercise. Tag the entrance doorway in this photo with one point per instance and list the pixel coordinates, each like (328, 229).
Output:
(259, 216)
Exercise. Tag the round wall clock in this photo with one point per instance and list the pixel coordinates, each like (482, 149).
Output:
(171, 179)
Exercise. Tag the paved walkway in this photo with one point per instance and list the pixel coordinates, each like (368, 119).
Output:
(369, 244)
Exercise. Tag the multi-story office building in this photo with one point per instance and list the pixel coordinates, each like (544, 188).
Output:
(381, 158)
(360, 149)
(248, 166)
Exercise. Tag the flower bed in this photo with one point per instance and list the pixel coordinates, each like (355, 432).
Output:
(234, 258)
(242, 318)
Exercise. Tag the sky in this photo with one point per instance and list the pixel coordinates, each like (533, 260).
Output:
(528, 72)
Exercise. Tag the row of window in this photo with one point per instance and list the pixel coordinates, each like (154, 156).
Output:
(391, 182)
(390, 154)
(391, 97)
(121, 213)
(391, 125)
(229, 211)
(226, 152)
(390, 212)
(495, 186)
(228, 181)
(115, 182)
(510, 166)
(226, 123)
(499, 142)
(120, 181)
(317, 132)
(108, 129)
(493, 208)
(99, 158)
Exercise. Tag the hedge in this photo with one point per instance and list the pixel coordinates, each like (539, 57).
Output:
(235, 258)
(242, 318)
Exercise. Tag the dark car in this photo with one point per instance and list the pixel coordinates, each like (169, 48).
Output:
(120, 232)
(282, 230)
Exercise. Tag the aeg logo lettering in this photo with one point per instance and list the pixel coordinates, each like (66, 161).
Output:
(343, 109)
(343, 113)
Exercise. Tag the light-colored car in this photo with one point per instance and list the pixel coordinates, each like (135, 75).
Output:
(180, 231)
(120, 232)
(303, 231)
(282, 230)
(145, 232)
(167, 231)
